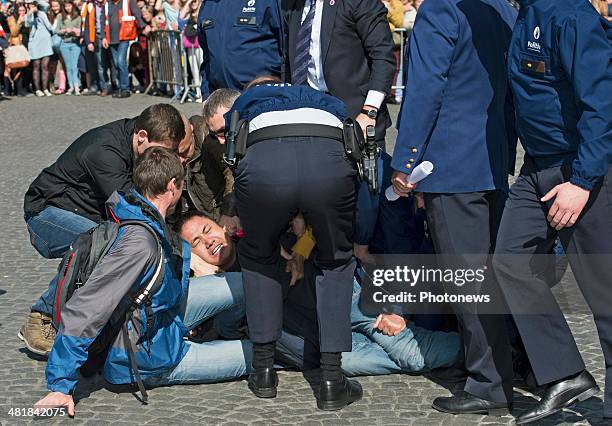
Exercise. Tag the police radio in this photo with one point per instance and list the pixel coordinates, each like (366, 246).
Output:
(369, 160)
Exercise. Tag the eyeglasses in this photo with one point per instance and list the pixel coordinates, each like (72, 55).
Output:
(218, 133)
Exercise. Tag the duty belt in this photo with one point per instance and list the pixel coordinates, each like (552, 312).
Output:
(295, 130)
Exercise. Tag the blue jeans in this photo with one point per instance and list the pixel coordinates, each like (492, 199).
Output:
(221, 297)
(70, 53)
(414, 350)
(100, 55)
(119, 53)
(54, 229)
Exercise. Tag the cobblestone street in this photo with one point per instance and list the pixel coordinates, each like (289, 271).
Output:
(33, 132)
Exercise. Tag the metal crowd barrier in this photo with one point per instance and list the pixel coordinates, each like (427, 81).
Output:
(168, 62)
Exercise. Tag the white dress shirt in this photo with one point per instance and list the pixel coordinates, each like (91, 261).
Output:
(316, 79)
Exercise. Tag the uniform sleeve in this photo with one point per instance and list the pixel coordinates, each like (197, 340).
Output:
(586, 57)
(204, 86)
(108, 170)
(91, 306)
(373, 29)
(429, 57)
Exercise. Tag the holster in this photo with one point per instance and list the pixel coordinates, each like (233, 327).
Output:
(354, 141)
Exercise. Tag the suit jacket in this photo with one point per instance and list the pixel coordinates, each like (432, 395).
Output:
(357, 50)
(457, 110)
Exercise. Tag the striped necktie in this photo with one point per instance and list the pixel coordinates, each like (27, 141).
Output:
(302, 48)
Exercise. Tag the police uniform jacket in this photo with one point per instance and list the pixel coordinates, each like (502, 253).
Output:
(456, 112)
(560, 67)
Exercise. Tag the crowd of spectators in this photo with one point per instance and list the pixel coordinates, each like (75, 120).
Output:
(94, 47)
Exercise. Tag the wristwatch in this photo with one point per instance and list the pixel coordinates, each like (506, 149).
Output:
(371, 113)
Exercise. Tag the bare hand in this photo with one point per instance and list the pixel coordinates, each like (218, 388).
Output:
(174, 26)
(569, 201)
(420, 200)
(231, 223)
(146, 30)
(365, 121)
(400, 183)
(91, 47)
(105, 43)
(390, 324)
(296, 266)
(56, 400)
(362, 252)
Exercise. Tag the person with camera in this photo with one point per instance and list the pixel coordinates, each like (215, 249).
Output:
(40, 47)
(69, 29)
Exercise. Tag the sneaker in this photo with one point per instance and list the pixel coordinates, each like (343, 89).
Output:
(47, 93)
(39, 93)
(122, 94)
(38, 333)
(89, 92)
(77, 91)
(69, 92)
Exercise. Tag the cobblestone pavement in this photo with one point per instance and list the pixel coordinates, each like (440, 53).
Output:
(32, 134)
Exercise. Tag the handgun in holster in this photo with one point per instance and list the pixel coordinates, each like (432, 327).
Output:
(370, 160)
(236, 139)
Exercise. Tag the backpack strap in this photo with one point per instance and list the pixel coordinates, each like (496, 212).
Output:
(132, 357)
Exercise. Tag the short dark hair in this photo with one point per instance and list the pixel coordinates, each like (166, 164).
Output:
(187, 216)
(217, 99)
(163, 123)
(155, 168)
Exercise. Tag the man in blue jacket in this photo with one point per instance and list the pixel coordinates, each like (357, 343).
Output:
(241, 40)
(560, 68)
(455, 114)
(158, 176)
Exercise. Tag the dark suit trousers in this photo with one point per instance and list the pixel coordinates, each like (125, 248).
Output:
(277, 179)
(524, 232)
(467, 224)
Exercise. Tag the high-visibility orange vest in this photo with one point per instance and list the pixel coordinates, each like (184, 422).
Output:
(89, 13)
(127, 31)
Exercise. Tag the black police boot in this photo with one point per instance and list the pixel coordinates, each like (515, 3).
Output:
(561, 395)
(337, 394)
(263, 382)
(465, 403)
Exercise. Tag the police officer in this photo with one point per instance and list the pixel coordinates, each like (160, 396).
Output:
(455, 115)
(560, 69)
(241, 40)
(287, 170)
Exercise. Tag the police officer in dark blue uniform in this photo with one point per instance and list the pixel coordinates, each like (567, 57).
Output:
(295, 161)
(241, 40)
(560, 69)
(456, 114)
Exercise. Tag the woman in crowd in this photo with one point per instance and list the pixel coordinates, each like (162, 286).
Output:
(410, 13)
(188, 24)
(70, 30)
(139, 60)
(19, 35)
(56, 66)
(39, 46)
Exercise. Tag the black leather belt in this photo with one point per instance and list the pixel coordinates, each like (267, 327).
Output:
(295, 130)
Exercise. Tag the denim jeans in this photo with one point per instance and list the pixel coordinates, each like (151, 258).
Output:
(70, 53)
(221, 297)
(414, 350)
(119, 53)
(54, 229)
(100, 55)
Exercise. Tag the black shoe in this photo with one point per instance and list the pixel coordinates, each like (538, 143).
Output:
(337, 394)
(263, 382)
(561, 395)
(123, 94)
(466, 403)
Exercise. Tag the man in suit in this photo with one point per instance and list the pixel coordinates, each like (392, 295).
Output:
(456, 114)
(344, 47)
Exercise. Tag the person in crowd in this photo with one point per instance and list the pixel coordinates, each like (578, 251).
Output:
(4, 35)
(188, 25)
(395, 16)
(179, 305)
(234, 53)
(69, 30)
(56, 65)
(90, 47)
(410, 13)
(68, 197)
(349, 35)
(170, 9)
(457, 84)
(39, 44)
(380, 345)
(139, 60)
(560, 71)
(19, 35)
(122, 18)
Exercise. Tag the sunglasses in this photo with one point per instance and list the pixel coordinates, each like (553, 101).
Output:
(217, 134)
